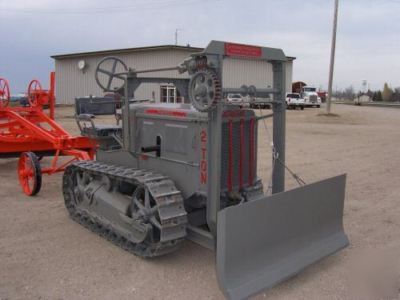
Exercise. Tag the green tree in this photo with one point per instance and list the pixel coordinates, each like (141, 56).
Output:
(396, 95)
(387, 93)
(349, 93)
(377, 96)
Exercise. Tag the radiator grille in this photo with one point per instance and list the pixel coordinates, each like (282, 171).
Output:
(234, 141)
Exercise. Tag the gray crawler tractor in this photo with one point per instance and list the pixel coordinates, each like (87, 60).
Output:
(189, 171)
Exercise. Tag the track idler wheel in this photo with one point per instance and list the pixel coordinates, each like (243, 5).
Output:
(29, 173)
(144, 207)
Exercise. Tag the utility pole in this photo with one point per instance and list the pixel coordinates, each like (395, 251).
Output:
(176, 35)
(332, 64)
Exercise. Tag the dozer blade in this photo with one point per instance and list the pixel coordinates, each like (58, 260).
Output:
(263, 242)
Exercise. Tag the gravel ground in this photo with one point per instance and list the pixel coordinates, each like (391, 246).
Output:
(45, 255)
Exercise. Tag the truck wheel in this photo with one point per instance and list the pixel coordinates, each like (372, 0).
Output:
(302, 107)
(318, 106)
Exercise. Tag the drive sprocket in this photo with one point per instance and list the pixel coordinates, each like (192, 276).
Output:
(204, 90)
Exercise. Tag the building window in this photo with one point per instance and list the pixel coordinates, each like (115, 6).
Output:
(169, 94)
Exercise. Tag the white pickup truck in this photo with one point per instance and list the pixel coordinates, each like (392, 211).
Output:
(294, 100)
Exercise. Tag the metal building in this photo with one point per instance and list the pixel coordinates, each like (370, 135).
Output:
(75, 72)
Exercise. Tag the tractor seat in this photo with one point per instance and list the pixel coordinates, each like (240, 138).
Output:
(102, 130)
(108, 136)
(90, 129)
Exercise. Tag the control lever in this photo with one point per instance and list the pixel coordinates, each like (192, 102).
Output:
(156, 148)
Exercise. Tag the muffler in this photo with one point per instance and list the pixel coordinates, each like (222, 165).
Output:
(266, 241)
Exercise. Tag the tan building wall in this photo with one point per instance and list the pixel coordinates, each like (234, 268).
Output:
(252, 72)
(72, 82)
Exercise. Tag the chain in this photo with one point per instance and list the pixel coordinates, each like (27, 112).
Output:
(275, 158)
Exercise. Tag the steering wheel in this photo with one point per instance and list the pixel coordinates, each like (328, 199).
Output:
(34, 92)
(4, 93)
(111, 74)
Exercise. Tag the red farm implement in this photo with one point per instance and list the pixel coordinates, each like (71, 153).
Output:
(28, 132)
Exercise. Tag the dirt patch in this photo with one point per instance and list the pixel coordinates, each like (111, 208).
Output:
(328, 115)
(45, 255)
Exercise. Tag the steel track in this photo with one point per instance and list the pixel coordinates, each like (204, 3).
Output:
(173, 217)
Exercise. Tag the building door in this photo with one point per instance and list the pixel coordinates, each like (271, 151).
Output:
(169, 94)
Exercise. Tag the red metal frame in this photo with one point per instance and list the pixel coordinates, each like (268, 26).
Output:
(251, 156)
(30, 129)
(241, 153)
(230, 155)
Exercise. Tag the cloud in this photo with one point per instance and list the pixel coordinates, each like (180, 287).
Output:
(367, 43)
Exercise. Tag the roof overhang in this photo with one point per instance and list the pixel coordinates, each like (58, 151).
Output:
(136, 49)
(127, 50)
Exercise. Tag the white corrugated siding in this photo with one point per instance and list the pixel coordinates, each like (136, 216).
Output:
(289, 76)
(72, 82)
(238, 72)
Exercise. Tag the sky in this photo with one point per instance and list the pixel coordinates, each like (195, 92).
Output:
(368, 37)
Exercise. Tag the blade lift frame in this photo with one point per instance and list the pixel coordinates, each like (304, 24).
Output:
(322, 201)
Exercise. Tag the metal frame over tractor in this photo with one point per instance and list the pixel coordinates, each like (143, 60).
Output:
(176, 171)
(29, 133)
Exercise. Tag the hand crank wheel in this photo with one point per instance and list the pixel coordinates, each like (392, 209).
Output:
(34, 92)
(4, 93)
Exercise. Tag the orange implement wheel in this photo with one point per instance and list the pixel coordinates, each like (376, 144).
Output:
(29, 173)
(4, 93)
(35, 92)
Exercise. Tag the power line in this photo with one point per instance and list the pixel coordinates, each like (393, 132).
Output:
(389, 1)
(148, 5)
